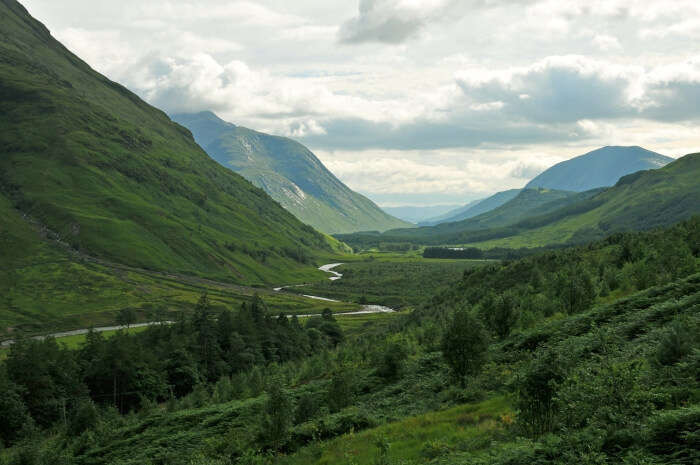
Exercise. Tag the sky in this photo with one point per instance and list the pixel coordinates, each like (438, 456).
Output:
(411, 102)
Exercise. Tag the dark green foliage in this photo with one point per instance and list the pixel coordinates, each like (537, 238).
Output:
(464, 345)
(340, 391)
(676, 343)
(536, 389)
(48, 379)
(84, 418)
(500, 313)
(392, 359)
(307, 407)
(675, 434)
(393, 283)
(279, 413)
(126, 317)
(13, 412)
(573, 286)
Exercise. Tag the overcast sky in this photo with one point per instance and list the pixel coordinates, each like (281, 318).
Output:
(411, 101)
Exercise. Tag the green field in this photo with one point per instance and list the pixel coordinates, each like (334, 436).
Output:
(418, 439)
(390, 279)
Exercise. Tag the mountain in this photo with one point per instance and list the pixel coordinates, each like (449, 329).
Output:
(474, 208)
(527, 203)
(599, 168)
(639, 201)
(90, 167)
(290, 173)
(418, 214)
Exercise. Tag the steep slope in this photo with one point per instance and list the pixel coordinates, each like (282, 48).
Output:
(91, 164)
(473, 209)
(290, 173)
(599, 168)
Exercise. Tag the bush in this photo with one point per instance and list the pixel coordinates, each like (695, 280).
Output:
(464, 345)
(85, 417)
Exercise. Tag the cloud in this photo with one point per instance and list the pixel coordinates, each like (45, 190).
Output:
(672, 92)
(393, 21)
(487, 78)
(558, 89)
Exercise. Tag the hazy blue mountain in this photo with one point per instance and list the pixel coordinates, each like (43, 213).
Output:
(600, 168)
(290, 173)
(417, 214)
(474, 208)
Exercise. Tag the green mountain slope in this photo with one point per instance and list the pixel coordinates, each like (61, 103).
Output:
(112, 177)
(528, 202)
(290, 173)
(599, 168)
(639, 201)
(473, 209)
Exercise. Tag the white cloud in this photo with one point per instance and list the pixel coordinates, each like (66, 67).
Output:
(393, 21)
(438, 93)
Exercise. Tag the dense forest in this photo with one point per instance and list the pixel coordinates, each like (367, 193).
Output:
(589, 354)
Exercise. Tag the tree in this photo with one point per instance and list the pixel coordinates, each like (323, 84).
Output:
(536, 390)
(391, 360)
(340, 392)
(126, 317)
(574, 286)
(279, 412)
(500, 313)
(13, 412)
(464, 345)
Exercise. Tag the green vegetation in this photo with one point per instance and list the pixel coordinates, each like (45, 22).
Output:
(59, 294)
(291, 174)
(588, 353)
(394, 281)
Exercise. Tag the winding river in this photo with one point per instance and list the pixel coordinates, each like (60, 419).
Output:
(366, 309)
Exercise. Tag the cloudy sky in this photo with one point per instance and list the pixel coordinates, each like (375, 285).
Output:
(411, 101)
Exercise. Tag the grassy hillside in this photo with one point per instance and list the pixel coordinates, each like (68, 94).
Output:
(290, 173)
(639, 201)
(599, 168)
(93, 166)
(473, 209)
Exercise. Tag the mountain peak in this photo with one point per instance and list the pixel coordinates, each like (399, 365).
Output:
(290, 173)
(602, 167)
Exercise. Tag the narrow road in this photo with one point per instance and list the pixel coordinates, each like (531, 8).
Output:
(366, 309)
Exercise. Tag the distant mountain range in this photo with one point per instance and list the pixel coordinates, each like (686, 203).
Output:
(638, 201)
(599, 168)
(290, 173)
(418, 214)
(473, 209)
